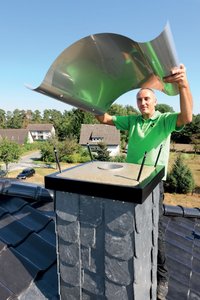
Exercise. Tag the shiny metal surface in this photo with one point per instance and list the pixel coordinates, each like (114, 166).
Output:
(93, 72)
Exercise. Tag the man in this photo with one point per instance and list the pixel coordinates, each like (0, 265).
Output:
(147, 132)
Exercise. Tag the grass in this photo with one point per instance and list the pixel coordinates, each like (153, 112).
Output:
(40, 173)
(187, 200)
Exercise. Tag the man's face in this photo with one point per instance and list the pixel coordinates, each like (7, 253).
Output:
(146, 102)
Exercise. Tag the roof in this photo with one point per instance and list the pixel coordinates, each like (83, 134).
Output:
(40, 127)
(94, 133)
(16, 135)
(182, 233)
(27, 234)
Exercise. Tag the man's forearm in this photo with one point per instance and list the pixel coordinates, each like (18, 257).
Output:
(186, 104)
(105, 119)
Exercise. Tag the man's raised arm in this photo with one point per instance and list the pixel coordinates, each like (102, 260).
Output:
(186, 102)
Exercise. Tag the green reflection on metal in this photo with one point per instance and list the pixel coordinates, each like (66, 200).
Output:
(92, 73)
(158, 69)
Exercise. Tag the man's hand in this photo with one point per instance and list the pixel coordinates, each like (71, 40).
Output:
(178, 75)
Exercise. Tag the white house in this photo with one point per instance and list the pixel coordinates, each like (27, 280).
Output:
(93, 134)
(41, 132)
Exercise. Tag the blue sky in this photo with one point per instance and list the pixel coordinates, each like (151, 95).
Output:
(33, 33)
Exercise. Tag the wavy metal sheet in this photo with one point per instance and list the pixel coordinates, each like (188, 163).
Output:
(93, 72)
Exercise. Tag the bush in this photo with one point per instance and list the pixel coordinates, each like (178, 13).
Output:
(75, 158)
(119, 158)
(179, 179)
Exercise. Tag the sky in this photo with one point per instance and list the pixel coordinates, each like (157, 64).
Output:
(34, 33)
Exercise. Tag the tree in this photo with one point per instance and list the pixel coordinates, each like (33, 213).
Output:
(102, 152)
(117, 109)
(36, 117)
(78, 117)
(9, 152)
(180, 179)
(2, 118)
(131, 110)
(163, 108)
(16, 119)
(47, 150)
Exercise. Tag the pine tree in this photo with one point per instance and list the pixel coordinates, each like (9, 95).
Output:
(180, 179)
(102, 152)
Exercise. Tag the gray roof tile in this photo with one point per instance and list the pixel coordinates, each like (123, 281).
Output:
(35, 249)
(11, 205)
(48, 233)
(31, 218)
(183, 254)
(12, 232)
(5, 293)
(27, 243)
(16, 272)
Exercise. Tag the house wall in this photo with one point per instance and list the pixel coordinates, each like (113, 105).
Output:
(114, 150)
(29, 138)
(41, 135)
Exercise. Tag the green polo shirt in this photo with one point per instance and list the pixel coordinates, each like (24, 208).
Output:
(148, 135)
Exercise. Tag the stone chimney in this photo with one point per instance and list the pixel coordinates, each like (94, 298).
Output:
(107, 228)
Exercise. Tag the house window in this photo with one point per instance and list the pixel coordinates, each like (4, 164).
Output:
(96, 139)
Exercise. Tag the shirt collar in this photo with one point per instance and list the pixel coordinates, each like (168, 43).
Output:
(154, 117)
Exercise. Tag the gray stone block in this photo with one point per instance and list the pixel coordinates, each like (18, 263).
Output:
(87, 235)
(69, 232)
(70, 274)
(93, 284)
(69, 252)
(67, 206)
(69, 292)
(119, 217)
(119, 246)
(91, 210)
(119, 271)
(118, 292)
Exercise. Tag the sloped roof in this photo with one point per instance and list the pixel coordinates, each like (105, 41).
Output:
(182, 228)
(27, 243)
(16, 135)
(40, 127)
(27, 234)
(109, 134)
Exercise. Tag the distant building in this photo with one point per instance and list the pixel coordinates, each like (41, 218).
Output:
(19, 136)
(41, 132)
(33, 132)
(93, 134)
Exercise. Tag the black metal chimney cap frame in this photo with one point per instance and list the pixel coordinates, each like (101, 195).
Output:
(134, 194)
